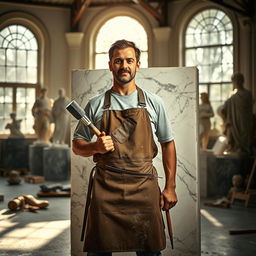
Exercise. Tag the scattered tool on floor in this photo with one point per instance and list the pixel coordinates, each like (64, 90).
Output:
(54, 190)
(28, 202)
(34, 179)
(220, 203)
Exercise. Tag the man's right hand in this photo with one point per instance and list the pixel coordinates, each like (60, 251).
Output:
(104, 144)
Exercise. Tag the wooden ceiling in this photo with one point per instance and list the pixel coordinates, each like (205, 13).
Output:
(157, 8)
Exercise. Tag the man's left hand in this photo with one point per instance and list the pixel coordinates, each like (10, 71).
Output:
(168, 199)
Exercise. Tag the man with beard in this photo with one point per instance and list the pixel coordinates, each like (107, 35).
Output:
(123, 208)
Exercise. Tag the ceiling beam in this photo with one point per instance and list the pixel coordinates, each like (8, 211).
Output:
(158, 16)
(78, 9)
(39, 3)
(246, 11)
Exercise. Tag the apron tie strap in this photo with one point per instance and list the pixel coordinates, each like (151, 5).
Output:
(88, 202)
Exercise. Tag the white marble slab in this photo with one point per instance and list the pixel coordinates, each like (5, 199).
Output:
(178, 88)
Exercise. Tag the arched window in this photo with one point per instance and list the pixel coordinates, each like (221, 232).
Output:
(18, 75)
(209, 46)
(120, 27)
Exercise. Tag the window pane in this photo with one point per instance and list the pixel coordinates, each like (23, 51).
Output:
(215, 92)
(2, 57)
(226, 91)
(1, 95)
(8, 95)
(8, 110)
(21, 95)
(11, 74)
(19, 48)
(30, 95)
(227, 72)
(101, 61)
(11, 57)
(190, 57)
(2, 125)
(1, 110)
(2, 74)
(21, 75)
(32, 59)
(21, 110)
(29, 110)
(123, 27)
(32, 75)
(144, 60)
(203, 88)
(21, 58)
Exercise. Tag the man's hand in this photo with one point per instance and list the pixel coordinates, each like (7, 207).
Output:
(168, 199)
(104, 144)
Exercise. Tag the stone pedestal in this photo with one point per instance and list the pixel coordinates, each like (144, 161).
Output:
(36, 159)
(51, 162)
(216, 173)
(14, 153)
(56, 163)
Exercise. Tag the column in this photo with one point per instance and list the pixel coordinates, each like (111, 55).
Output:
(161, 46)
(74, 40)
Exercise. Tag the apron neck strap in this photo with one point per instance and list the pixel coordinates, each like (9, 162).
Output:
(141, 98)
(107, 100)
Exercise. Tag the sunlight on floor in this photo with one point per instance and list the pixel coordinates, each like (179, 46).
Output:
(31, 236)
(210, 218)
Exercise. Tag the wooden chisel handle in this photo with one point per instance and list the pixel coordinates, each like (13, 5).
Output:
(169, 225)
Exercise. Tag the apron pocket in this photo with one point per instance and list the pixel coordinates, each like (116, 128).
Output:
(123, 132)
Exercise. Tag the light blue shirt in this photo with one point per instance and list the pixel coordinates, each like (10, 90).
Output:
(161, 126)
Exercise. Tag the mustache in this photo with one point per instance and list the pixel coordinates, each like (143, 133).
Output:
(124, 70)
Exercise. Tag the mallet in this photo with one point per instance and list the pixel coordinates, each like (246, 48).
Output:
(77, 112)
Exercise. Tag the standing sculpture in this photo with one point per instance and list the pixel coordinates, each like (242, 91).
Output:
(14, 127)
(60, 117)
(41, 111)
(237, 113)
(205, 113)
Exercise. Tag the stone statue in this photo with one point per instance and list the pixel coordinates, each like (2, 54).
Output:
(14, 127)
(237, 113)
(205, 113)
(41, 111)
(60, 117)
(237, 182)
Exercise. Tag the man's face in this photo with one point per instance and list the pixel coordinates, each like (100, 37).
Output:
(124, 65)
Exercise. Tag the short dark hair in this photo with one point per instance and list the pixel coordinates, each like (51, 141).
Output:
(122, 44)
(238, 78)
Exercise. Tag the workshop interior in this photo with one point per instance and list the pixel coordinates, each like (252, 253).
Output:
(198, 56)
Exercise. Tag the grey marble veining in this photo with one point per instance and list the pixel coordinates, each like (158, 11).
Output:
(178, 89)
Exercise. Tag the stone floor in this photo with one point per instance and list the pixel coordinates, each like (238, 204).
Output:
(46, 232)
(42, 233)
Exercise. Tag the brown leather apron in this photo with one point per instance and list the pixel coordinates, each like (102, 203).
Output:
(123, 201)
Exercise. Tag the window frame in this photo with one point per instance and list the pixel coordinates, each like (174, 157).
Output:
(36, 29)
(95, 53)
(234, 46)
